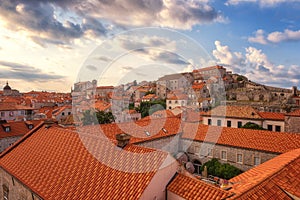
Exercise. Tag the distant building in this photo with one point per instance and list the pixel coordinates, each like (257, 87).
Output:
(7, 91)
(10, 132)
(14, 112)
(292, 121)
(238, 116)
(172, 82)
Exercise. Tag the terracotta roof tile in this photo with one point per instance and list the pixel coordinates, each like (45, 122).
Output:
(234, 112)
(155, 128)
(273, 178)
(277, 142)
(19, 128)
(295, 113)
(191, 188)
(55, 164)
(272, 115)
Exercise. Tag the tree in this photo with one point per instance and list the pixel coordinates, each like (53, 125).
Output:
(97, 117)
(105, 117)
(215, 168)
(149, 107)
(251, 125)
(89, 117)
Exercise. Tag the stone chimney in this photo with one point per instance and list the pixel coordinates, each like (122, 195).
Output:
(294, 90)
(122, 139)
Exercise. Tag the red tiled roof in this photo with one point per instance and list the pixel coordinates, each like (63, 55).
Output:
(162, 114)
(149, 96)
(13, 106)
(295, 113)
(198, 86)
(54, 164)
(274, 178)
(234, 112)
(272, 116)
(102, 105)
(137, 129)
(191, 188)
(105, 87)
(277, 142)
(17, 128)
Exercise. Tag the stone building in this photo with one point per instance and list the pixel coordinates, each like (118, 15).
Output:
(172, 82)
(292, 121)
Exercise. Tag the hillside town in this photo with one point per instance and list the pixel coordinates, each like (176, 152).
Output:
(204, 134)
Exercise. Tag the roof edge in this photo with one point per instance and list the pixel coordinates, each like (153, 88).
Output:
(22, 139)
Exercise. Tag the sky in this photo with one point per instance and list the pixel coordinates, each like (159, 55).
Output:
(50, 44)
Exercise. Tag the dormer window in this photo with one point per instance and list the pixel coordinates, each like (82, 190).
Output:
(29, 124)
(7, 129)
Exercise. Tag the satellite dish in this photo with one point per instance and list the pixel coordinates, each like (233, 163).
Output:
(190, 167)
(181, 157)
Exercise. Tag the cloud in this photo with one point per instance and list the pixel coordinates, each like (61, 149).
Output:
(259, 37)
(262, 3)
(255, 65)
(104, 58)
(91, 67)
(226, 57)
(12, 70)
(40, 21)
(275, 37)
(61, 21)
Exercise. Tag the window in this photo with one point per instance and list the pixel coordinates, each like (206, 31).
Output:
(270, 127)
(228, 123)
(30, 126)
(2, 114)
(62, 113)
(176, 101)
(69, 113)
(170, 101)
(197, 150)
(224, 155)
(277, 128)
(219, 122)
(256, 160)
(209, 121)
(239, 158)
(240, 124)
(209, 152)
(7, 129)
(5, 192)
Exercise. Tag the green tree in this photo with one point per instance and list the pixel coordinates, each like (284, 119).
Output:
(105, 117)
(251, 125)
(215, 168)
(97, 117)
(89, 117)
(149, 107)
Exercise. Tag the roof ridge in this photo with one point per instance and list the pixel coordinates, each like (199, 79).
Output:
(27, 135)
(270, 174)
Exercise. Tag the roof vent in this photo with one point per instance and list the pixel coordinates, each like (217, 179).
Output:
(29, 124)
(122, 139)
(147, 133)
(164, 130)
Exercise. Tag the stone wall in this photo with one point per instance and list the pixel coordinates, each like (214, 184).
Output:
(169, 144)
(292, 124)
(200, 151)
(6, 142)
(16, 189)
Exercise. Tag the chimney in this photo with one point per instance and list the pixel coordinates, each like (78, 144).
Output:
(122, 139)
(49, 122)
(294, 90)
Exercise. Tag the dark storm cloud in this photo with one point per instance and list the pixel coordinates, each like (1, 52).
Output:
(24, 72)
